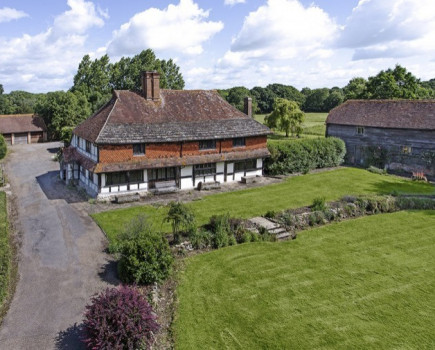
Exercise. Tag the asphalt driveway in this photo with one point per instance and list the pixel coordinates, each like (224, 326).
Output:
(61, 255)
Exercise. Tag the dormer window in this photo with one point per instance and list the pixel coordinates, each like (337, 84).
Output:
(207, 144)
(139, 149)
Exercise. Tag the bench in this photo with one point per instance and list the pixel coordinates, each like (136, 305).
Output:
(206, 186)
(126, 198)
(249, 179)
(165, 187)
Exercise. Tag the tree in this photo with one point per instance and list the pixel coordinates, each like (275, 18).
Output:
(60, 109)
(288, 92)
(1, 89)
(264, 99)
(286, 116)
(315, 101)
(181, 217)
(334, 99)
(3, 147)
(236, 97)
(355, 89)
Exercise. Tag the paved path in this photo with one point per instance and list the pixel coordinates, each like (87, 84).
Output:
(61, 258)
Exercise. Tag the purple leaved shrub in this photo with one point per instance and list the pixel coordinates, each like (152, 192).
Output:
(119, 318)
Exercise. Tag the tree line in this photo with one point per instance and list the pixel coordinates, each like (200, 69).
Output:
(395, 83)
(95, 79)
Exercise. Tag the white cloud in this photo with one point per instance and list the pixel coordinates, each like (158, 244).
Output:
(234, 2)
(390, 28)
(7, 14)
(47, 61)
(284, 29)
(181, 28)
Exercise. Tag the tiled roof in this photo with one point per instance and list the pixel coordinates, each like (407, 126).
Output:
(17, 123)
(178, 115)
(177, 161)
(399, 114)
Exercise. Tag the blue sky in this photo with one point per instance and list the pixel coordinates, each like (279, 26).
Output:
(218, 43)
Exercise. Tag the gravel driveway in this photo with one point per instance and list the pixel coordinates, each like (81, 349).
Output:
(61, 255)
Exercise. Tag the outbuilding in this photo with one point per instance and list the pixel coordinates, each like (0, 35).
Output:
(22, 128)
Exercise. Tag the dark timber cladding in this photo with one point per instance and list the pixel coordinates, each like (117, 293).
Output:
(403, 131)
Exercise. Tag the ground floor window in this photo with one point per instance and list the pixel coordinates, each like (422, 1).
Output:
(205, 169)
(162, 174)
(245, 165)
(124, 177)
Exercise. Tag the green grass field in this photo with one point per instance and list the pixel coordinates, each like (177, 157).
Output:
(5, 250)
(314, 126)
(363, 284)
(292, 193)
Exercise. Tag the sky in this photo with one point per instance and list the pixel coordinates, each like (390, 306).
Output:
(218, 43)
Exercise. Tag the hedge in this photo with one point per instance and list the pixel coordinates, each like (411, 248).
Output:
(305, 155)
(3, 147)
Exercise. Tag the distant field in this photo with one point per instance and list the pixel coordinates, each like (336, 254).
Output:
(362, 284)
(314, 126)
(292, 193)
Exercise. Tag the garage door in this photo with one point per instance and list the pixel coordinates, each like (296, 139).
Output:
(20, 139)
(36, 137)
(7, 139)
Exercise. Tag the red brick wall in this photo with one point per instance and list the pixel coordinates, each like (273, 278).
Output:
(122, 153)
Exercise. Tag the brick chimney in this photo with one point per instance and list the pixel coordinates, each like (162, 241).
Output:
(248, 106)
(151, 86)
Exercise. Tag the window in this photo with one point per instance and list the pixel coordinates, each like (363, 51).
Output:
(135, 176)
(91, 176)
(360, 130)
(162, 174)
(406, 149)
(88, 147)
(82, 170)
(239, 142)
(248, 165)
(139, 149)
(207, 144)
(78, 142)
(116, 178)
(205, 169)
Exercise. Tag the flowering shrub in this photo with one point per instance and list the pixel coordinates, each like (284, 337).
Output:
(119, 318)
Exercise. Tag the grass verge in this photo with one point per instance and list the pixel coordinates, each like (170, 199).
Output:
(5, 254)
(294, 192)
(361, 284)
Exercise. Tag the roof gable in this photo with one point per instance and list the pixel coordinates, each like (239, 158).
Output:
(395, 114)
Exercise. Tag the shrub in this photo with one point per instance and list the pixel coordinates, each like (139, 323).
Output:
(119, 318)
(200, 239)
(270, 214)
(181, 217)
(3, 147)
(145, 254)
(318, 204)
(246, 237)
(376, 170)
(406, 203)
(304, 155)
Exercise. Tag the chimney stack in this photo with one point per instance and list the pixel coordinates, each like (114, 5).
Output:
(151, 86)
(248, 106)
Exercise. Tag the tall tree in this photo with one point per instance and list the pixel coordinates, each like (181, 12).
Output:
(286, 116)
(236, 97)
(355, 89)
(315, 101)
(61, 109)
(1, 89)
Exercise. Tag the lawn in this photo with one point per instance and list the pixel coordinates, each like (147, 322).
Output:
(363, 284)
(314, 126)
(294, 192)
(5, 250)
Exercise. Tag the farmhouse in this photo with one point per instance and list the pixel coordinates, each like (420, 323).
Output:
(22, 128)
(160, 139)
(397, 134)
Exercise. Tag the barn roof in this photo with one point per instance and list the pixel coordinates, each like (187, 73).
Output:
(179, 115)
(20, 123)
(395, 114)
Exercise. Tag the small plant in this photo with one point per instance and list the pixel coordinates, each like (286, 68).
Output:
(200, 239)
(318, 204)
(270, 214)
(119, 318)
(181, 217)
(145, 254)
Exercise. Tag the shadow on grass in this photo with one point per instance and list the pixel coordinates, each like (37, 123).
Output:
(404, 187)
(71, 338)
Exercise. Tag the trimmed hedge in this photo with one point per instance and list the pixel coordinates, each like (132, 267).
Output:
(305, 155)
(3, 147)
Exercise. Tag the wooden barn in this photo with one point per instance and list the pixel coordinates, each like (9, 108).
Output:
(22, 128)
(395, 134)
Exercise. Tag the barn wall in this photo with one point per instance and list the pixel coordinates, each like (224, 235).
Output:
(407, 149)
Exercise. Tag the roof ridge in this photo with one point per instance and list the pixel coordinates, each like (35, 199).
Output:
(108, 117)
